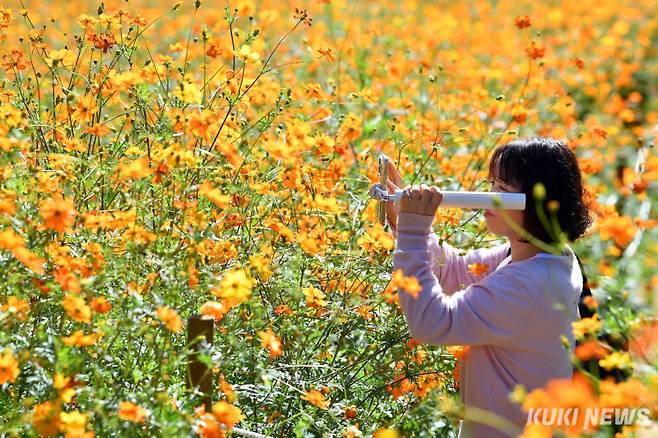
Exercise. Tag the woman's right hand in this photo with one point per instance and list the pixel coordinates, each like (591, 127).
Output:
(393, 208)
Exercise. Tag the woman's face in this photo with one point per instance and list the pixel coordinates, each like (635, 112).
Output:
(495, 222)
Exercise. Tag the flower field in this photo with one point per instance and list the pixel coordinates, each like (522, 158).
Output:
(160, 160)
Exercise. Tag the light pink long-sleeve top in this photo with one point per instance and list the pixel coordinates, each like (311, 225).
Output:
(512, 316)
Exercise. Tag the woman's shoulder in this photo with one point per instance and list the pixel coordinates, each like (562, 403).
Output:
(528, 277)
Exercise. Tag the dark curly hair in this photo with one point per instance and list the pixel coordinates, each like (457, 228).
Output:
(525, 163)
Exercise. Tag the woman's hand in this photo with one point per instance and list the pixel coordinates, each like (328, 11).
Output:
(421, 200)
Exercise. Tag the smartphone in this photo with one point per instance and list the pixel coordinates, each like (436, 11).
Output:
(383, 179)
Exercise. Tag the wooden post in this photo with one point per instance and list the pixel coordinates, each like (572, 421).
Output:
(199, 374)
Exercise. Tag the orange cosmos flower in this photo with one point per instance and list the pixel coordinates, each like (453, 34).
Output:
(13, 242)
(283, 309)
(644, 341)
(226, 413)
(10, 240)
(316, 398)
(45, 418)
(65, 386)
(226, 388)
(8, 367)
(326, 54)
(98, 130)
(129, 411)
(621, 229)
(409, 285)
(135, 169)
(590, 302)
(215, 309)
(15, 60)
(213, 48)
(351, 127)
(74, 424)
(208, 427)
(85, 109)
(215, 195)
(76, 308)
(458, 351)
(535, 51)
(522, 21)
(104, 41)
(349, 412)
(261, 264)
(67, 280)
(86, 21)
(100, 305)
(632, 392)
(170, 318)
(591, 348)
(16, 306)
(200, 123)
(271, 342)
(519, 113)
(193, 274)
(575, 392)
(58, 213)
(352, 431)
(79, 339)
(478, 269)
(29, 259)
(578, 63)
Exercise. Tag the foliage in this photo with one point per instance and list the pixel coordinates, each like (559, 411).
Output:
(163, 161)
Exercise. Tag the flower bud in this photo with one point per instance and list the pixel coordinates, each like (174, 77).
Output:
(539, 191)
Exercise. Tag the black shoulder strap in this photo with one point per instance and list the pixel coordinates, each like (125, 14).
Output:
(584, 310)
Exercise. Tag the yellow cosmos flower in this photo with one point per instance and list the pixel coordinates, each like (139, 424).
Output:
(76, 308)
(617, 359)
(386, 433)
(586, 326)
(245, 54)
(73, 423)
(235, 287)
(60, 58)
(314, 297)
(187, 91)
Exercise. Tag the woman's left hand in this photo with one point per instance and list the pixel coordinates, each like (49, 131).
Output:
(420, 200)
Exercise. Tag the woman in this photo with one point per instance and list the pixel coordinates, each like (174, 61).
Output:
(516, 314)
